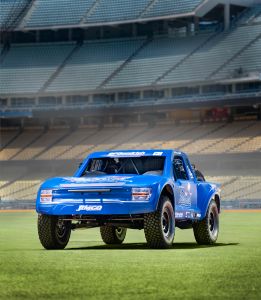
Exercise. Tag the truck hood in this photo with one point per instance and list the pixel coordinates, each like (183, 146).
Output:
(102, 181)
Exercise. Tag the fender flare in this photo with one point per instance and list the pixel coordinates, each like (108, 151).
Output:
(215, 195)
(168, 188)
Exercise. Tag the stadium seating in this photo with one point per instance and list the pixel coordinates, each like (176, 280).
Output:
(248, 61)
(213, 55)
(65, 12)
(116, 10)
(171, 7)
(40, 145)
(6, 136)
(251, 15)
(242, 188)
(92, 64)
(130, 62)
(8, 7)
(55, 13)
(238, 137)
(26, 68)
(21, 189)
(22, 140)
(154, 60)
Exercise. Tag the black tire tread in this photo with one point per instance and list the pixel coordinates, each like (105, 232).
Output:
(152, 228)
(46, 232)
(201, 232)
(109, 236)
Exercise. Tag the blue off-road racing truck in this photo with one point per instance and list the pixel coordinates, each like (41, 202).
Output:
(154, 190)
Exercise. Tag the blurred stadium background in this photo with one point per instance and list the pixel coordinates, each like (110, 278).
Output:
(86, 75)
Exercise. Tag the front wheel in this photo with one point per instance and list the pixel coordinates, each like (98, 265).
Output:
(53, 232)
(206, 231)
(113, 235)
(159, 226)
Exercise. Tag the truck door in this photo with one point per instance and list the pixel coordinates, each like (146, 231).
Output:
(185, 187)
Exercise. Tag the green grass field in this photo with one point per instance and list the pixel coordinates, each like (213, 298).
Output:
(87, 269)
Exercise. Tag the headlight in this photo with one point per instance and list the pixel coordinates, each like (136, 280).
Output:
(46, 196)
(141, 194)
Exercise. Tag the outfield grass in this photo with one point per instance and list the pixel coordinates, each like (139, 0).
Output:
(89, 270)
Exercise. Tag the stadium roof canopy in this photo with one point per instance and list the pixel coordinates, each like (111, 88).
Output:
(49, 14)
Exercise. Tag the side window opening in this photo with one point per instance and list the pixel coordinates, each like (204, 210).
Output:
(179, 169)
(189, 170)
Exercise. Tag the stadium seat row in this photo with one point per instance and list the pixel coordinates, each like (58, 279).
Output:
(238, 137)
(126, 63)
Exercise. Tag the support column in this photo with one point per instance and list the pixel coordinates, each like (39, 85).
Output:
(63, 100)
(233, 88)
(196, 24)
(227, 16)
(101, 33)
(37, 36)
(134, 30)
(69, 34)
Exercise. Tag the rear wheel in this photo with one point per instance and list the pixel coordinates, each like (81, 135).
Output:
(113, 235)
(206, 231)
(159, 226)
(53, 232)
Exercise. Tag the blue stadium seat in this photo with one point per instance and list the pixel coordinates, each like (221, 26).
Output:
(215, 53)
(7, 7)
(116, 10)
(92, 64)
(62, 12)
(155, 59)
(26, 68)
(171, 7)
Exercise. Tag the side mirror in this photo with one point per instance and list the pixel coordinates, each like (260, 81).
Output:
(80, 164)
(193, 166)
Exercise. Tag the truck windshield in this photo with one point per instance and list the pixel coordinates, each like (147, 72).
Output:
(152, 165)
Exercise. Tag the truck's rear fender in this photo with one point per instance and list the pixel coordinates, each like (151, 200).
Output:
(207, 192)
(165, 187)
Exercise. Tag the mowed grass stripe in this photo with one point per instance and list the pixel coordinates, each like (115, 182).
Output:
(88, 269)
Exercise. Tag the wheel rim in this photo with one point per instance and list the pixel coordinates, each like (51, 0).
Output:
(167, 224)
(213, 223)
(61, 230)
(120, 232)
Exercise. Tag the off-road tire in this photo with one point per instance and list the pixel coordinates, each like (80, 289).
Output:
(113, 235)
(160, 235)
(199, 175)
(52, 232)
(206, 231)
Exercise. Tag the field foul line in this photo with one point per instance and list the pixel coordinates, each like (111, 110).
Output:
(223, 210)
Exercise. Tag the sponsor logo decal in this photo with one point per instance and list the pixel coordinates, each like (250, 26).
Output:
(188, 214)
(184, 197)
(157, 153)
(89, 208)
(119, 154)
(178, 214)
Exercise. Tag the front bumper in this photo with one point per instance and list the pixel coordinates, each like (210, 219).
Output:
(102, 207)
